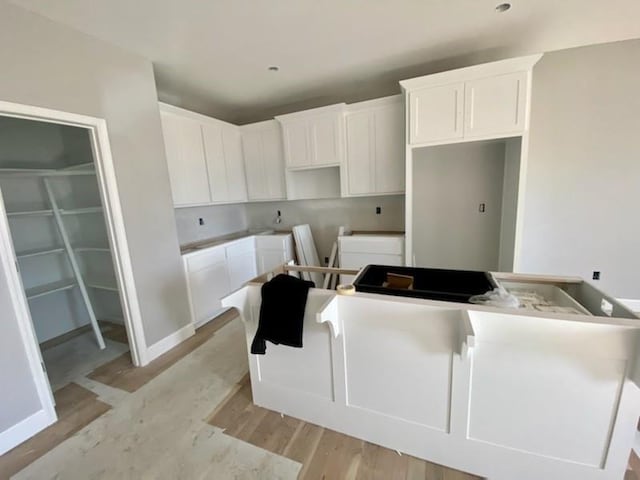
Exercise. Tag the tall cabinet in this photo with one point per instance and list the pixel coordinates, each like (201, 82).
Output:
(466, 163)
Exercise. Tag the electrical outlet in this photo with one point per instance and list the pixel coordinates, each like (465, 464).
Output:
(201, 221)
(378, 210)
(596, 275)
(482, 208)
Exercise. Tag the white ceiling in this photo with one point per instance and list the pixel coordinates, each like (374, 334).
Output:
(212, 55)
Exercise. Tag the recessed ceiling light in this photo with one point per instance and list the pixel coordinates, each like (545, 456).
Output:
(503, 7)
(273, 68)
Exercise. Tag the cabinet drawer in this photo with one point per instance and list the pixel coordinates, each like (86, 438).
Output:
(205, 258)
(372, 244)
(272, 242)
(241, 247)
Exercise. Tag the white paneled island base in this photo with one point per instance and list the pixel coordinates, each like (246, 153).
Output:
(504, 394)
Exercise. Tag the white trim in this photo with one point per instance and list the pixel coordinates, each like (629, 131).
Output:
(24, 430)
(499, 67)
(198, 117)
(631, 303)
(170, 341)
(47, 415)
(294, 116)
(105, 172)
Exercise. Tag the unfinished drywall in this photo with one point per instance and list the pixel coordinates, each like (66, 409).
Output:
(218, 220)
(326, 216)
(450, 183)
(52, 66)
(581, 197)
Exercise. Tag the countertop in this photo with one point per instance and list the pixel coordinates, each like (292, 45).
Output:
(215, 241)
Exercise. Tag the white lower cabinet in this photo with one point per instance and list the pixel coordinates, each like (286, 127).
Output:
(241, 262)
(212, 273)
(358, 251)
(208, 282)
(273, 251)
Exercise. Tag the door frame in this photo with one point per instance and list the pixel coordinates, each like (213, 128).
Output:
(108, 186)
(41, 419)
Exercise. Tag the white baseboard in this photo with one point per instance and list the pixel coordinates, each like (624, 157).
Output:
(24, 430)
(213, 317)
(168, 342)
(631, 304)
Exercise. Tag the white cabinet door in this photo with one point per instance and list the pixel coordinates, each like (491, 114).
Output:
(495, 105)
(208, 285)
(234, 163)
(185, 159)
(264, 161)
(375, 147)
(325, 139)
(257, 188)
(296, 143)
(274, 162)
(217, 169)
(242, 268)
(389, 171)
(270, 259)
(360, 146)
(436, 113)
(223, 148)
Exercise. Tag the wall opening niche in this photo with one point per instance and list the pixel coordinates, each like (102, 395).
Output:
(465, 199)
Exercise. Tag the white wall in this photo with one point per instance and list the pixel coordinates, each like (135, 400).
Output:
(581, 210)
(218, 220)
(55, 67)
(449, 183)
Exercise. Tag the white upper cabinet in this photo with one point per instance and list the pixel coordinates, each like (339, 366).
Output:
(480, 102)
(313, 138)
(185, 159)
(264, 161)
(234, 162)
(205, 158)
(375, 147)
(436, 113)
(495, 105)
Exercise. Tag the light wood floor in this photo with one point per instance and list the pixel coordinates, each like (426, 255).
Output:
(324, 454)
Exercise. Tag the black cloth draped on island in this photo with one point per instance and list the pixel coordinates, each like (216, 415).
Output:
(284, 299)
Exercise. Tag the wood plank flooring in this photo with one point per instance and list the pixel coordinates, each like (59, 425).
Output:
(323, 453)
(76, 407)
(121, 373)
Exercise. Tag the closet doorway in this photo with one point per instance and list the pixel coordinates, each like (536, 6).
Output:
(63, 215)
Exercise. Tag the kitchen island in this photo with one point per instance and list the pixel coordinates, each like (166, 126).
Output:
(497, 392)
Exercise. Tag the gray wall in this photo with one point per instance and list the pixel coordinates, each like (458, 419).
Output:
(218, 220)
(20, 396)
(325, 216)
(581, 208)
(449, 183)
(52, 66)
